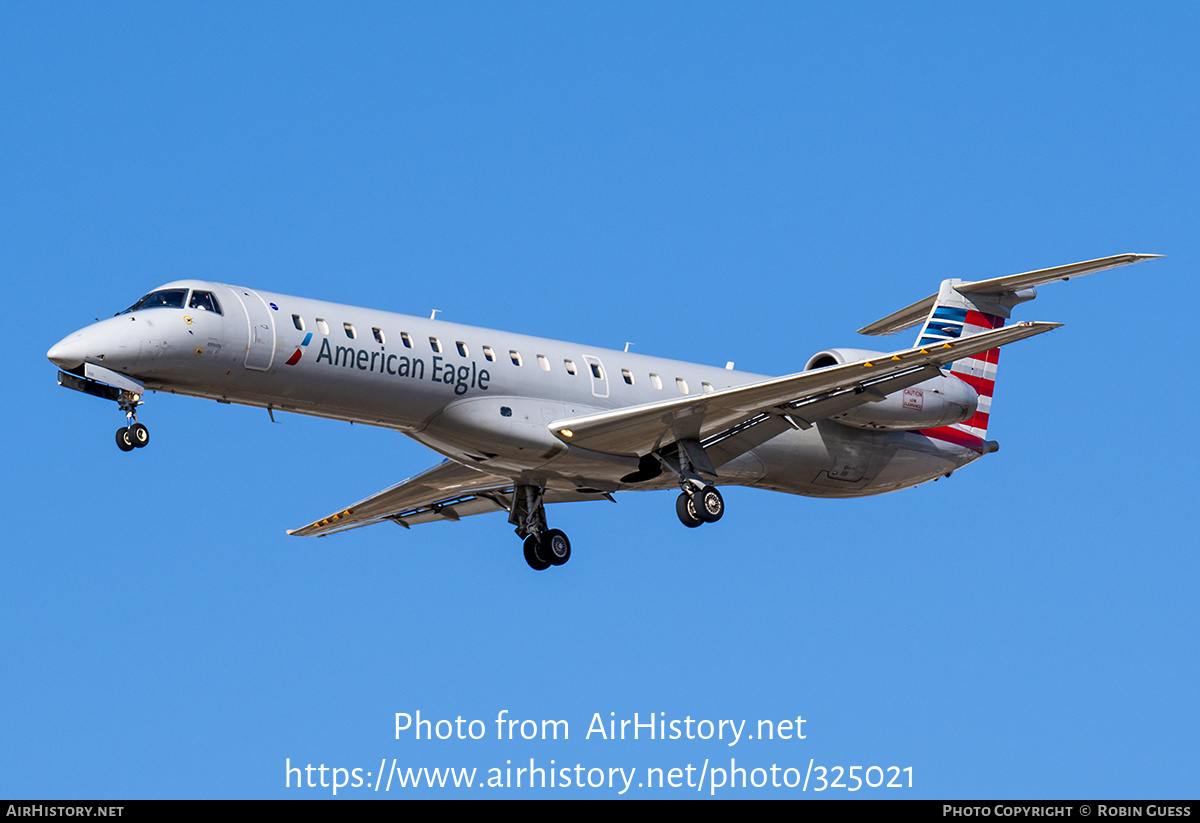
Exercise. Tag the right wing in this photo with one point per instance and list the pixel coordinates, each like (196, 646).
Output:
(803, 398)
(448, 491)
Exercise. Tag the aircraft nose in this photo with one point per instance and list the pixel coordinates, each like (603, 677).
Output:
(109, 342)
(69, 352)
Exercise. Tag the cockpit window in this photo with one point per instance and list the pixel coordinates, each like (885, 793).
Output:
(162, 299)
(204, 301)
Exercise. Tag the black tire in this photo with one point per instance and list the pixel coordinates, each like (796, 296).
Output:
(124, 440)
(556, 547)
(532, 557)
(709, 504)
(687, 511)
(139, 435)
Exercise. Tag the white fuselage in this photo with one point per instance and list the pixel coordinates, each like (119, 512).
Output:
(478, 396)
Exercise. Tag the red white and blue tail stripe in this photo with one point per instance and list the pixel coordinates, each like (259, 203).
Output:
(956, 315)
(949, 322)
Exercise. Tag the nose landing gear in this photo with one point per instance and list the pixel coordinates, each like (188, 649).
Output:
(135, 435)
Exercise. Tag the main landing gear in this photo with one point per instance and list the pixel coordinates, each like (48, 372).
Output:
(135, 435)
(699, 502)
(543, 547)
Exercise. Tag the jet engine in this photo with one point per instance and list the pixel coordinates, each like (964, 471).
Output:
(938, 401)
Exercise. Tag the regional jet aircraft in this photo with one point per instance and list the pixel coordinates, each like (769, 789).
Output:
(526, 421)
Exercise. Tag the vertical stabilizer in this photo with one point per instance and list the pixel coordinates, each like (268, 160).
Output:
(956, 315)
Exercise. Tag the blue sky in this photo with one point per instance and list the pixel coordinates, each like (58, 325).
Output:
(710, 182)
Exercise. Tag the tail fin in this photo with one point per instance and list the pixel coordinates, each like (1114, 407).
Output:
(956, 315)
(961, 309)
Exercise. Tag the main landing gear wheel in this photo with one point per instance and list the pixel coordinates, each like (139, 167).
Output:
(555, 547)
(685, 507)
(709, 504)
(534, 554)
(544, 547)
(124, 440)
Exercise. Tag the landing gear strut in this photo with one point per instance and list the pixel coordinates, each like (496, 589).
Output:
(544, 547)
(135, 435)
(699, 502)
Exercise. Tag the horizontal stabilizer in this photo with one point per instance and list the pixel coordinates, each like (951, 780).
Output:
(916, 313)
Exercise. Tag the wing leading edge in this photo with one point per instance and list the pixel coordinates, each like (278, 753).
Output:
(448, 491)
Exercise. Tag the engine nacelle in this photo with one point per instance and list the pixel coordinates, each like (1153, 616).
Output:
(938, 401)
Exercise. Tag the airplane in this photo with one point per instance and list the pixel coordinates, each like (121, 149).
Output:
(524, 422)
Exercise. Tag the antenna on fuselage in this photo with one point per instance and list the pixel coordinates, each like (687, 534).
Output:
(433, 313)
(627, 345)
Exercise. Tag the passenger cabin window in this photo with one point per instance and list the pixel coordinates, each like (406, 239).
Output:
(322, 326)
(204, 301)
(543, 363)
(570, 364)
(298, 322)
(597, 372)
(707, 387)
(163, 299)
(435, 344)
(628, 377)
(515, 356)
(406, 339)
(378, 336)
(350, 332)
(462, 348)
(681, 384)
(656, 381)
(489, 354)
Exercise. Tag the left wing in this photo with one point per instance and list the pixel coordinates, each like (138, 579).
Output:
(448, 491)
(803, 398)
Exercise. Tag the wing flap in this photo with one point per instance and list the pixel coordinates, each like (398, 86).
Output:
(637, 430)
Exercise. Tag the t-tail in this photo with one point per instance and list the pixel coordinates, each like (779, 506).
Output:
(963, 308)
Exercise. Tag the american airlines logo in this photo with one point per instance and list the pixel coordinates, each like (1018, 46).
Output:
(295, 358)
